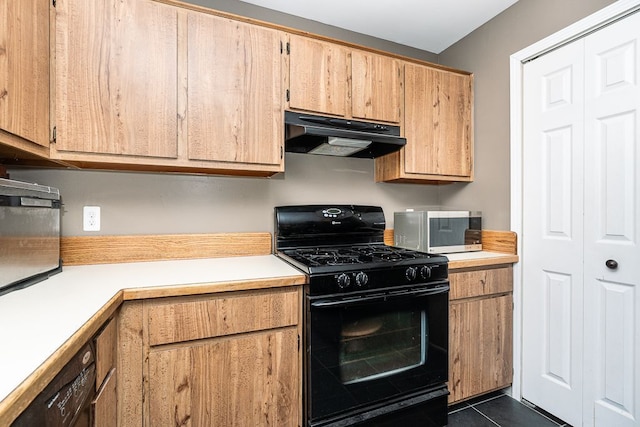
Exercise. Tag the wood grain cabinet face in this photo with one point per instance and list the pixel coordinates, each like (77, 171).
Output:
(104, 405)
(116, 77)
(481, 332)
(248, 380)
(235, 99)
(438, 127)
(319, 75)
(24, 69)
(228, 359)
(330, 78)
(376, 90)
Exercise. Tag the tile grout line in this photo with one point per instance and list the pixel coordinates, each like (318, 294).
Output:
(489, 400)
(532, 407)
(485, 415)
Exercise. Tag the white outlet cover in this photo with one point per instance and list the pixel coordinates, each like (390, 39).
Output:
(91, 218)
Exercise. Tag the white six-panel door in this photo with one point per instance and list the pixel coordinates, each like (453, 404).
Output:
(581, 208)
(612, 225)
(552, 237)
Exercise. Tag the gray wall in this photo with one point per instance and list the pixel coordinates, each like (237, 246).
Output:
(486, 52)
(140, 203)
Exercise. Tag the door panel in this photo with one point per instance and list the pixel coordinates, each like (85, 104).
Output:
(376, 87)
(552, 233)
(245, 380)
(24, 69)
(556, 361)
(439, 131)
(319, 76)
(612, 225)
(235, 96)
(111, 97)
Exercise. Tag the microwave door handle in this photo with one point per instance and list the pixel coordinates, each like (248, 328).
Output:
(392, 296)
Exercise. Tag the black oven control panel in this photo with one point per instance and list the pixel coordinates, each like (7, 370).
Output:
(370, 279)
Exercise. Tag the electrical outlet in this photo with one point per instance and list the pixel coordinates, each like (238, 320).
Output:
(91, 218)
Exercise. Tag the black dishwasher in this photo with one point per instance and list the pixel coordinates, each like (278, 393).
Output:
(66, 400)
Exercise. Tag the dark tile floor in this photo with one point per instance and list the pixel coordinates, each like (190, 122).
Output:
(499, 410)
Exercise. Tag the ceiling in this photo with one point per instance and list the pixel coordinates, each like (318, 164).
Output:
(431, 25)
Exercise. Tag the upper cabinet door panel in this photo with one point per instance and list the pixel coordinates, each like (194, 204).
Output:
(319, 75)
(235, 92)
(24, 69)
(376, 87)
(438, 106)
(116, 77)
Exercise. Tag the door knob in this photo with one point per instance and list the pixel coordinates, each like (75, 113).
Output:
(611, 263)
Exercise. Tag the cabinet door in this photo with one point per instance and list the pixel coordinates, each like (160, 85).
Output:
(106, 351)
(24, 69)
(235, 96)
(438, 109)
(116, 77)
(319, 76)
(376, 87)
(480, 346)
(242, 380)
(104, 406)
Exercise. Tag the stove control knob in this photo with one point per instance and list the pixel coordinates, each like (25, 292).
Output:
(411, 273)
(361, 279)
(425, 272)
(343, 280)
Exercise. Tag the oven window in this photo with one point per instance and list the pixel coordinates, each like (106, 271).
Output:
(379, 345)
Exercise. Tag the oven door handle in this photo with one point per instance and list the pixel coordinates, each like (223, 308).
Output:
(387, 296)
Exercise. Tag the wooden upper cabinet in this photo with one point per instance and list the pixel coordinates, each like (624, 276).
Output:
(438, 127)
(319, 74)
(235, 109)
(116, 78)
(24, 70)
(438, 103)
(330, 78)
(376, 91)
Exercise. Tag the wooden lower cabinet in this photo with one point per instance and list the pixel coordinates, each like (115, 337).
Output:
(227, 359)
(480, 331)
(245, 380)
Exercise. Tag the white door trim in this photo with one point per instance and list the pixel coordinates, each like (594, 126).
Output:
(587, 25)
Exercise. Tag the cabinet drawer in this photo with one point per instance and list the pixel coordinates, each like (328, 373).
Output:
(468, 284)
(184, 319)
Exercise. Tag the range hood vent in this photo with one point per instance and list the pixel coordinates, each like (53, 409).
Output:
(310, 134)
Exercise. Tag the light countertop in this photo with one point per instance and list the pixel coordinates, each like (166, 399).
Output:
(38, 320)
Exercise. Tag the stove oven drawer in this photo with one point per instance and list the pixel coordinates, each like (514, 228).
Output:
(190, 318)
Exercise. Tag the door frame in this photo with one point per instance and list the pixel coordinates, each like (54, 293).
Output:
(593, 22)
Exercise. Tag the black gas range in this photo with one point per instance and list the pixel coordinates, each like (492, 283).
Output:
(342, 249)
(375, 319)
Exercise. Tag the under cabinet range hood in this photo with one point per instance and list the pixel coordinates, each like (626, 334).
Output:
(329, 136)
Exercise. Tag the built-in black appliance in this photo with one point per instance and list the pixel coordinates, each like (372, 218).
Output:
(66, 401)
(375, 319)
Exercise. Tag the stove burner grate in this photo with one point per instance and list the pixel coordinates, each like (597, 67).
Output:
(353, 255)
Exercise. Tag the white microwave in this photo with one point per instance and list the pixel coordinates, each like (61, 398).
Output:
(438, 232)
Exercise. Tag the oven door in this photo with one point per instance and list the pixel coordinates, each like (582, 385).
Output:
(365, 350)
